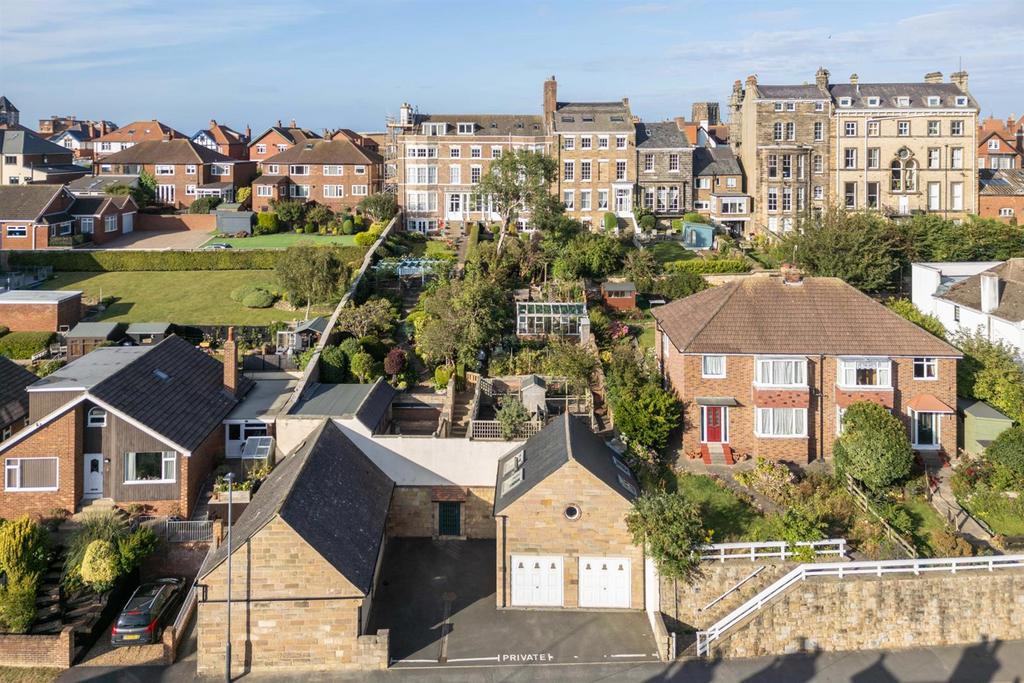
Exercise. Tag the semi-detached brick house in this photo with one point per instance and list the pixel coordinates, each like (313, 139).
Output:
(184, 171)
(766, 366)
(335, 173)
(132, 424)
(42, 216)
(277, 139)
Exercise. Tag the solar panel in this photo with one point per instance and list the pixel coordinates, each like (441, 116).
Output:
(258, 448)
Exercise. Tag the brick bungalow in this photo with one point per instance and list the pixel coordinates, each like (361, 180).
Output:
(560, 505)
(766, 366)
(131, 424)
(184, 171)
(336, 173)
(43, 216)
(13, 399)
(306, 555)
(277, 139)
(40, 310)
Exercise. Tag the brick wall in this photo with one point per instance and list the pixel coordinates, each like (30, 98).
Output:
(61, 438)
(38, 651)
(989, 206)
(187, 221)
(414, 513)
(536, 525)
(197, 467)
(866, 613)
(41, 317)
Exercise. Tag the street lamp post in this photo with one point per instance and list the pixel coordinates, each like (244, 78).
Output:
(230, 477)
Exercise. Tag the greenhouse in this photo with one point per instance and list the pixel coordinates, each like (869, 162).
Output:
(547, 318)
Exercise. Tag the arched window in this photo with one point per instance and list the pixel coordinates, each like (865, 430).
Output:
(903, 172)
(97, 417)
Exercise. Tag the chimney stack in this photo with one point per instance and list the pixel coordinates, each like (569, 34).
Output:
(248, 132)
(791, 275)
(821, 78)
(550, 98)
(293, 124)
(213, 123)
(959, 79)
(751, 80)
(933, 77)
(989, 292)
(854, 79)
(231, 362)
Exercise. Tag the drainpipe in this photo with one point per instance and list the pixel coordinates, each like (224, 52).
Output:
(821, 403)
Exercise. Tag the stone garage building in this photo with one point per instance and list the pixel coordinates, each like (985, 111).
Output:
(305, 559)
(560, 507)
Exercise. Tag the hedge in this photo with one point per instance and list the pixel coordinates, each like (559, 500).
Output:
(705, 267)
(125, 261)
(23, 345)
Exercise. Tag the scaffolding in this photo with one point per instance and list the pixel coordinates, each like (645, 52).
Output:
(404, 123)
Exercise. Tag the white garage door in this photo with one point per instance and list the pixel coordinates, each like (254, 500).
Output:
(127, 223)
(537, 580)
(604, 582)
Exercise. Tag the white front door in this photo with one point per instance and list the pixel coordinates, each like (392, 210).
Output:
(904, 205)
(455, 203)
(537, 581)
(92, 484)
(623, 200)
(604, 582)
(127, 223)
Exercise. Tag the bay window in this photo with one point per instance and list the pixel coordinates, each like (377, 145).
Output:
(781, 372)
(781, 422)
(865, 372)
(149, 468)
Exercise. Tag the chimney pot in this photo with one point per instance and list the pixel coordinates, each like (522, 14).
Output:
(279, 123)
(933, 77)
(293, 124)
(213, 123)
(854, 79)
(791, 275)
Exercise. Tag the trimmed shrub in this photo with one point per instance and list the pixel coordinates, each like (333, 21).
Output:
(610, 221)
(677, 224)
(243, 194)
(23, 547)
(18, 602)
(694, 217)
(334, 364)
(100, 565)
(136, 547)
(125, 261)
(648, 221)
(204, 204)
(707, 267)
(367, 238)
(291, 213)
(363, 367)
(258, 298)
(23, 345)
(347, 227)
(873, 447)
(442, 373)
(239, 293)
(350, 346)
(267, 223)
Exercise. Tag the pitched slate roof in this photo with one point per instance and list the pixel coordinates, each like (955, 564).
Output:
(488, 124)
(888, 92)
(1011, 291)
(660, 135)
(26, 142)
(6, 104)
(179, 151)
(13, 397)
(806, 91)
(25, 202)
(341, 151)
(710, 161)
(821, 315)
(604, 117)
(140, 131)
(564, 438)
(332, 496)
(1003, 182)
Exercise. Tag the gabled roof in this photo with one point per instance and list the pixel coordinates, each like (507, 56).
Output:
(141, 131)
(564, 438)
(332, 496)
(821, 315)
(292, 134)
(180, 151)
(341, 151)
(710, 161)
(26, 202)
(317, 324)
(660, 135)
(6, 104)
(25, 142)
(13, 398)
(967, 292)
(1003, 182)
(221, 134)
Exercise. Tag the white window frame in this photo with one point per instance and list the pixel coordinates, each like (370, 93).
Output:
(166, 457)
(704, 367)
(14, 465)
(264, 191)
(360, 169)
(620, 142)
(476, 152)
(334, 191)
(465, 128)
(773, 412)
(926, 364)
(190, 169)
(852, 364)
(273, 169)
(569, 142)
(334, 170)
(298, 169)
(163, 170)
(110, 223)
(454, 152)
(766, 361)
(261, 149)
(602, 142)
(360, 190)
(903, 128)
(96, 417)
(87, 225)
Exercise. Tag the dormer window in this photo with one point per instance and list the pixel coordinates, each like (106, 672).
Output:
(903, 101)
(961, 101)
(934, 101)
(568, 119)
(845, 101)
(617, 118)
(874, 101)
(467, 128)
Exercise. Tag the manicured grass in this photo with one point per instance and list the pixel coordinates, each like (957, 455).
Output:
(671, 251)
(183, 297)
(281, 240)
(726, 514)
(927, 517)
(438, 249)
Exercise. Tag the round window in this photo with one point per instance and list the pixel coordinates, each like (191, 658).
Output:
(572, 512)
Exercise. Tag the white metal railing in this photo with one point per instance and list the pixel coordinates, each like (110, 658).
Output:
(179, 530)
(842, 569)
(780, 550)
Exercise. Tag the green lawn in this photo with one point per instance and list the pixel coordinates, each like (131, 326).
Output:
(1005, 515)
(671, 251)
(726, 514)
(927, 517)
(182, 297)
(282, 240)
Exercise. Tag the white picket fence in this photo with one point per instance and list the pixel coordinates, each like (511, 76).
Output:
(778, 550)
(842, 569)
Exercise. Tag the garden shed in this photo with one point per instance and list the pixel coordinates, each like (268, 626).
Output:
(980, 424)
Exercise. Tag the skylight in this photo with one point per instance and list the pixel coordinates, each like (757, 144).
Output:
(161, 375)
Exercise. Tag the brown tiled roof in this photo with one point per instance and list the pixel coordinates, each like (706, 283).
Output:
(325, 152)
(291, 134)
(25, 202)
(1011, 291)
(167, 152)
(821, 315)
(140, 131)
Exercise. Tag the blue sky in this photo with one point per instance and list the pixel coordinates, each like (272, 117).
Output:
(334, 64)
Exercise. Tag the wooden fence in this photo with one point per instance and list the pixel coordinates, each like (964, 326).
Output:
(865, 503)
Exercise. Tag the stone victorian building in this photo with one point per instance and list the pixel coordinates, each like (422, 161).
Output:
(664, 169)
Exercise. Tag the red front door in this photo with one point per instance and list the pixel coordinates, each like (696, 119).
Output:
(713, 424)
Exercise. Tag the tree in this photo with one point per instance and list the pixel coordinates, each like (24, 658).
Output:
(380, 206)
(647, 417)
(873, 447)
(641, 267)
(375, 317)
(311, 274)
(586, 255)
(570, 360)
(363, 367)
(1007, 449)
(860, 248)
(394, 362)
(511, 417)
(679, 285)
(990, 372)
(334, 364)
(462, 317)
(318, 214)
(907, 309)
(243, 194)
(670, 528)
(204, 205)
(146, 191)
(289, 212)
(519, 178)
(23, 547)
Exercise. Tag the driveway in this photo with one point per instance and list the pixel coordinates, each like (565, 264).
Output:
(162, 239)
(437, 598)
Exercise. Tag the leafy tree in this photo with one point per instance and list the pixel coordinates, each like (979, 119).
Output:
(679, 285)
(519, 178)
(1007, 449)
(204, 205)
(380, 206)
(990, 372)
(873, 447)
(647, 417)
(512, 417)
(135, 548)
(641, 267)
(291, 213)
(145, 194)
(363, 367)
(907, 309)
(859, 248)
(310, 274)
(141, 195)
(671, 530)
(566, 359)
(375, 317)
(334, 364)
(587, 255)
(394, 362)
(933, 238)
(319, 215)
(462, 317)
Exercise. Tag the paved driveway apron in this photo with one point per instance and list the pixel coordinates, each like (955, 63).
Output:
(438, 600)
